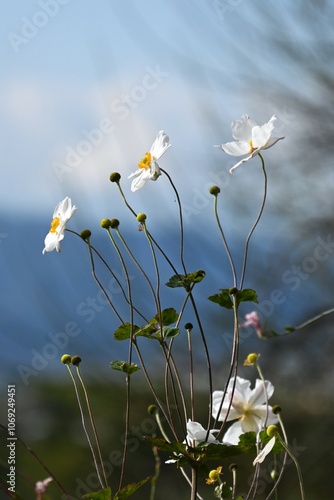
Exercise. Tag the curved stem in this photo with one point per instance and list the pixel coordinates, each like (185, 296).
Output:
(255, 223)
(225, 242)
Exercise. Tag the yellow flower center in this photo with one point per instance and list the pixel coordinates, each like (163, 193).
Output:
(146, 161)
(250, 142)
(54, 224)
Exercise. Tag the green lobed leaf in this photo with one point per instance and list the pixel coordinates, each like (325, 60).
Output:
(247, 295)
(124, 331)
(185, 280)
(130, 489)
(125, 367)
(223, 298)
(104, 494)
(167, 316)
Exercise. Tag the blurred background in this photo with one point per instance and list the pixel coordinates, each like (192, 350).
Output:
(85, 88)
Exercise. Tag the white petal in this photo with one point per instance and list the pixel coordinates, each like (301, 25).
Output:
(272, 141)
(236, 148)
(266, 450)
(258, 395)
(242, 129)
(160, 145)
(232, 435)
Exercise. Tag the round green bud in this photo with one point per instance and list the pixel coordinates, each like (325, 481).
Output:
(105, 223)
(141, 217)
(272, 430)
(188, 326)
(233, 290)
(114, 223)
(276, 409)
(152, 409)
(115, 177)
(251, 358)
(233, 467)
(66, 359)
(274, 474)
(215, 190)
(75, 360)
(86, 234)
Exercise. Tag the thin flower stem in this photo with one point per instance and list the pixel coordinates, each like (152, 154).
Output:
(309, 321)
(84, 426)
(155, 298)
(181, 220)
(208, 361)
(93, 424)
(156, 472)
(99, 282)
(157, 400)
(274, 489)
(300, 477)
(156, 267)
(233, 368)
(255, 223)
(191, 376)
(225, 242)
(193, 483)
(113, 275)
(154, 241)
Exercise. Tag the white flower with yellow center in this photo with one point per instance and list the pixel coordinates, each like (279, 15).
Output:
(250, 139)
(61, 215)
(148, 166)
(248, 407)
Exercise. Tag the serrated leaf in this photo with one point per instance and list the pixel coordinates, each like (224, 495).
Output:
(125, 367)
(223, 299)
(104, 494)
(247, 295)
(130, 489)
(124, 331)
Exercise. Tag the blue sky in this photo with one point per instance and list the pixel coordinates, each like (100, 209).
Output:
(86, 86)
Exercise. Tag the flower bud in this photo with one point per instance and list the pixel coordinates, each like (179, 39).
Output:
(86, 234)
(141, 217)
(233, 467)
(272, 430)
(276, 409)
(233, 290)
(114, 223)
(105, 223)
(66, 359)
(214, 190)
(152, 409)
(188, 326)
(251, 358)
(75, 360)
(115, 177)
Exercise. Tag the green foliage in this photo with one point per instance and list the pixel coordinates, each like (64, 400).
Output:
(130, 489)
(125, 367)
(158, 327)
(224, 297)
(185, 280)
(104, 494)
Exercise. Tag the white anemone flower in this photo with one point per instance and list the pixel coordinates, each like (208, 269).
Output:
(197, 434)
(248, 407)
(61, 215)
(250, 139)
(148, 166)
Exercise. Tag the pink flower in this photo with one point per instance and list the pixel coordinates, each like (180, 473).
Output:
(252, 319)
(40, 486)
